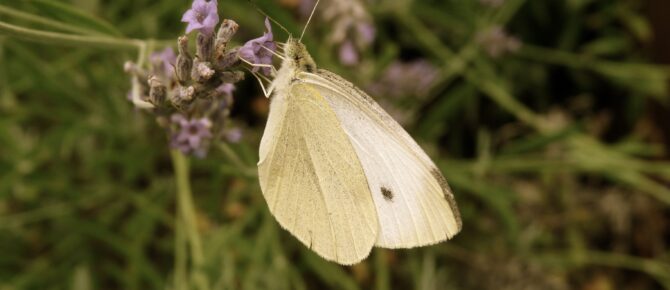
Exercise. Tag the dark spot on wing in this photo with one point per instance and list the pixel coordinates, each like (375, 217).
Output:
(448, 196)
(387, 193)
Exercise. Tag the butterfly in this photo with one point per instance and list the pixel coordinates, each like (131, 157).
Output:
(340, 174)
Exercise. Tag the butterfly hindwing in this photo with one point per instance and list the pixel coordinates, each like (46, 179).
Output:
(414, 204)
(312, 179)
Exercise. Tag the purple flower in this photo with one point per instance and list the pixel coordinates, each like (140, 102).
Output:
(254, 52)
(164, 62)
(496, 41)
(225, 92)
(233, 135)
(202, 16)
(402, 79)
(348, 53)
(366, 33)
(192, 135)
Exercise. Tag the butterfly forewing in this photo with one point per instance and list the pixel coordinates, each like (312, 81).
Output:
(312, 179)
(414, 204)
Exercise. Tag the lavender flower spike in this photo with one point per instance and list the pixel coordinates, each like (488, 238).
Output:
(253, 50)
(202, 16)
(192, 136)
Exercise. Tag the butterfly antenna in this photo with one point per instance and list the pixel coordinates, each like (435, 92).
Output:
(308, 20)
(268, 16)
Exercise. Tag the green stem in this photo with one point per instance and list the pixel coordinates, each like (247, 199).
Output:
(68, 39)
(655, 268)
(231, 155)
(180, 259)
(45, 21)
(187, 211)
(507, 101)
(552, 56)
(246, 170)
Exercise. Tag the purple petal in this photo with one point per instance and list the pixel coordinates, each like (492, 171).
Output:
(194, 141)
(256, 50)
(179, 120)
(367, 32)
(348, 53)
(234, 135)
(269, 29)
(248, 54)
(203, 16)
(193, 26)
(188, 16)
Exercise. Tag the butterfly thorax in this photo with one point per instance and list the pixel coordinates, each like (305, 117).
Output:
(296, 60)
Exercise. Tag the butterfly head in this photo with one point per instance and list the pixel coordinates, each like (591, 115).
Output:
(297, 56)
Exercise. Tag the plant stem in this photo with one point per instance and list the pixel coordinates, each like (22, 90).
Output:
(68, 39)
(180, 258)
(247, 170)
(187, 216)
(46, 21)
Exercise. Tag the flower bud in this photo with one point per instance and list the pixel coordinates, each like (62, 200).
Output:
(157, 92)
(132, 68)
(226, 31)
(183, 97)
(227, 59)
(129, 67)
(184, 61)
(204, 46)
(232, 76)
(187, 93)
(202, 71)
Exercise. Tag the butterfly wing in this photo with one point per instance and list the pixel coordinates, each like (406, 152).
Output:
(414, 204)
(312, 180)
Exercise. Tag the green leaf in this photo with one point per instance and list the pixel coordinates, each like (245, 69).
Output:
(606, 46)
(643, 78)
(72, 15)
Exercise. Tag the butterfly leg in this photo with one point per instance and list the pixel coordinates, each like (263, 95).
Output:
(258, 77)
(272, 67)
(273, 52)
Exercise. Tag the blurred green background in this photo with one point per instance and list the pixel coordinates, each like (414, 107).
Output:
(548, 118)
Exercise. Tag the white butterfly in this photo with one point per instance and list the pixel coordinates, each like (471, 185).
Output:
(340, 174)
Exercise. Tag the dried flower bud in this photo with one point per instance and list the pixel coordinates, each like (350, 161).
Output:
(132, 68)
(232, 76)
(157, 92)
(187, 93)
(129, 67)
(227, 59)
(202, 71)
(226, 31)
(183, 97)
(204, 46)
(184, 61)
